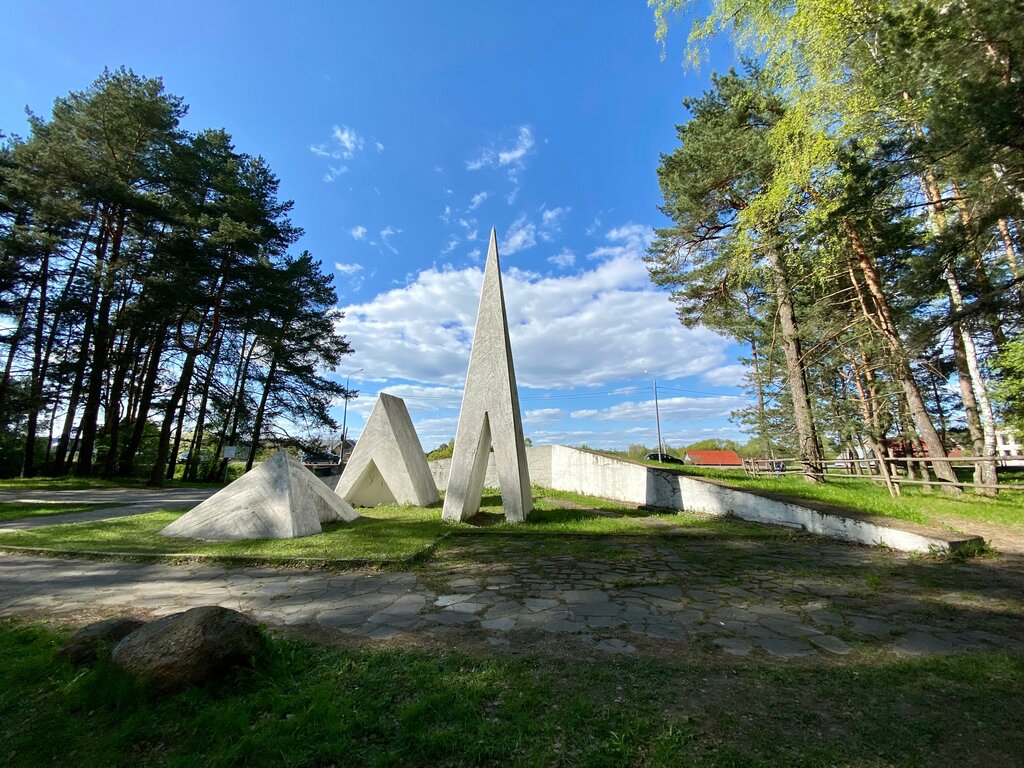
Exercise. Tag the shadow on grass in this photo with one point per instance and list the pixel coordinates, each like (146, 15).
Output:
(305, 705)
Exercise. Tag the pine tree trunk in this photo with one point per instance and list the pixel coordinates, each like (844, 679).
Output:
(971, 416)
(195, 450)
(796, 377)
(988, 422)
(156, 476)
(36, 382)
(126, 463)
(101, 353)
(884, 321)
(258, 422)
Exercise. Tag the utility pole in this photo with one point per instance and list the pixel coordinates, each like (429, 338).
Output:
(344, 418)
(657, 419)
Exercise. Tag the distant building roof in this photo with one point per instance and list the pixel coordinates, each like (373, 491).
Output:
(715, 458)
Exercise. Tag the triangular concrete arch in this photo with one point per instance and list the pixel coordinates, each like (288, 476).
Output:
(279, 499)
(490, 413)
(388, 464)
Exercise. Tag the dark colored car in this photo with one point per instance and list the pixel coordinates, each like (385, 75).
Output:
(664, 458)
(320, 458)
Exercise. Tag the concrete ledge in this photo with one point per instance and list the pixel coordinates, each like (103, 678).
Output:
(570, 469)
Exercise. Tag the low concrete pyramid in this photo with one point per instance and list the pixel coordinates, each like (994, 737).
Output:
(490, 413)
(388, 464)
(280, 499)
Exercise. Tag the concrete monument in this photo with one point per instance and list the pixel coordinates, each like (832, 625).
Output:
(280, 499)
(490, 413)
(388, 464)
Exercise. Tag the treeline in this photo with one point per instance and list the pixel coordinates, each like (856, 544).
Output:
(149, 307)
(849, 208)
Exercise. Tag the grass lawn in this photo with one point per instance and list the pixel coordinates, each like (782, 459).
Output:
(70, 483)
(14, 510)
(307, 705)
(914, 504)
(381, 533)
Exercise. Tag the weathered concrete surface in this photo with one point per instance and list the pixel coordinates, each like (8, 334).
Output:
(490, 413)
(569, 469)
(279, 499)
(388, 464)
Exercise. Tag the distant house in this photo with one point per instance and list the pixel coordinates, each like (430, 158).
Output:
(1008, 445)
(714, 458)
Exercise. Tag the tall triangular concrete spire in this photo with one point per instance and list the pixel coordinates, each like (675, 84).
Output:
(490, 413)
(388, 464)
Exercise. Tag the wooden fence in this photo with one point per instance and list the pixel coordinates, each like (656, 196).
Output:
(894, 471)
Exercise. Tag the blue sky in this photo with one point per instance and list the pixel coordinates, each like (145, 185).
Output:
(404, 131)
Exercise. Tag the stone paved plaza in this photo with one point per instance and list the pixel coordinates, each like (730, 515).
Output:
(787, 596)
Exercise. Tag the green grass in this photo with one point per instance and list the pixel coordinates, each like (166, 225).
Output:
(914, 504)
(306, 705)
(381, 533)
(15, 510)
(71, 483)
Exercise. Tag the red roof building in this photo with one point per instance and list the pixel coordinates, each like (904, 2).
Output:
(714, 458)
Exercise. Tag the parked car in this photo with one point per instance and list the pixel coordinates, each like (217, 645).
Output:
(320, 458)
(664, 458)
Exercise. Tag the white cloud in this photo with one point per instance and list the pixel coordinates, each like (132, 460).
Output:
(453, 243)
(475, 255)
(334, 171)
(473, 235)
(524, 143)
(564, 259)
(446, 215)
(477, 200)
(347, 139)
(596, 327)
(542, 415)
(726, 376)
(358, 233)
(321, 150)
(511, 157)
(385, 236)
(348, 269)
(630, 238)
(379, 146)
(521, 235)
(550, 218)
(342, 145)
(466, 224)
(685, 409)
(551, 222)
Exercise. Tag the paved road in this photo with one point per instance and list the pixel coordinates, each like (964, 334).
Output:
(135, 501)
(787, 599)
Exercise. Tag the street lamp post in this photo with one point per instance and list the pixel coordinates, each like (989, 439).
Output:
(344, 418)
(657, 420)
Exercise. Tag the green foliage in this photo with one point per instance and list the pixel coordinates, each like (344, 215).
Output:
(147, 280)
(443, 451)
(1010, 389)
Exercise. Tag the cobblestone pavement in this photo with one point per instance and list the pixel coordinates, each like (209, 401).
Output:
(133, 501)
(786, 598)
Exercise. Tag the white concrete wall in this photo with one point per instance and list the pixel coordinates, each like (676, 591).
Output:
(569, 469)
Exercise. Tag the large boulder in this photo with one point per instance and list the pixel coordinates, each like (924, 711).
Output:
(92, 640)
(188, 648)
